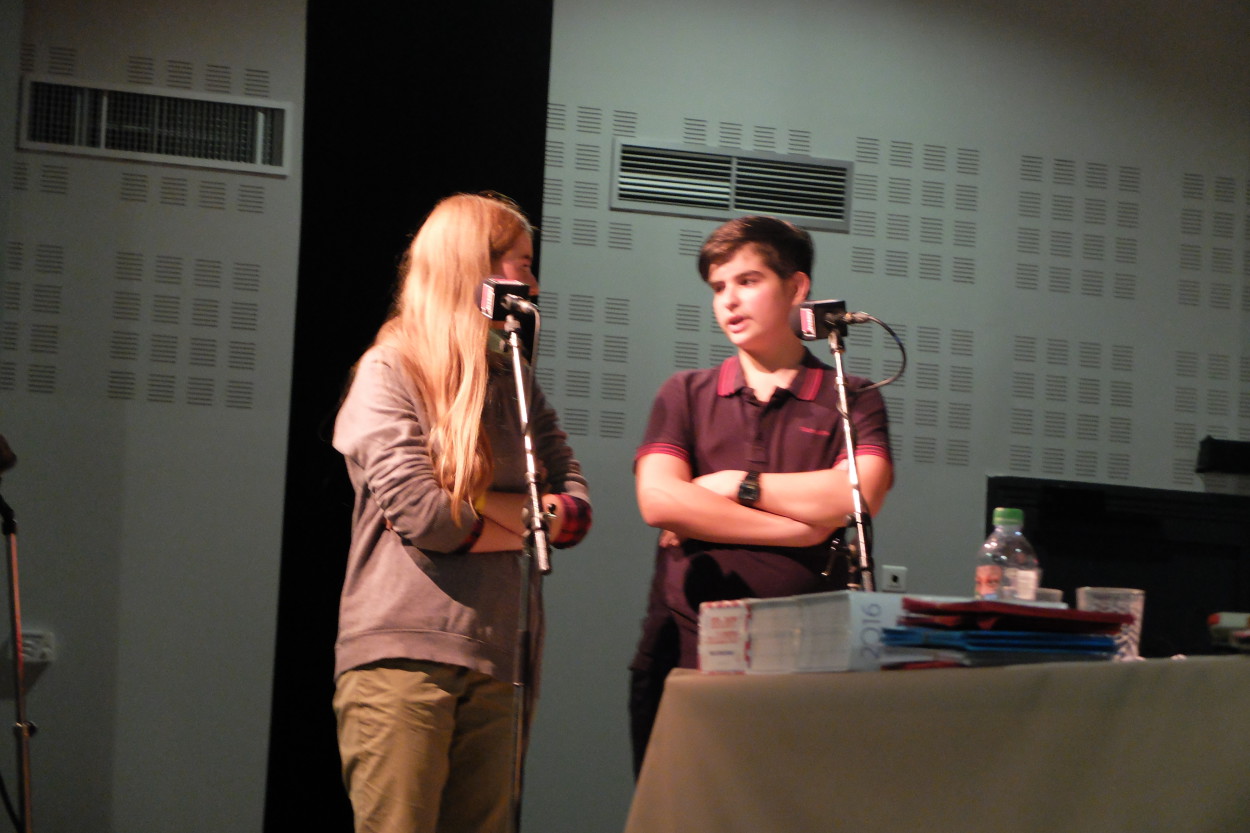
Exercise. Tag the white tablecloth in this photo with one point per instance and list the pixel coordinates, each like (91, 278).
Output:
(1097, 747)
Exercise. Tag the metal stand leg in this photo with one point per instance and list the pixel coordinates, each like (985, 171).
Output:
(23, 729)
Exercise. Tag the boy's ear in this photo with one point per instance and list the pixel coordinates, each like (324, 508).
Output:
(802, 287)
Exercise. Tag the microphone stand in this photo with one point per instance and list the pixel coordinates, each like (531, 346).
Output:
(860, 566)
(535, 562)
(22, 728)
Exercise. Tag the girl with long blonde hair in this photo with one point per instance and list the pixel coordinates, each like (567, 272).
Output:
(427, 649)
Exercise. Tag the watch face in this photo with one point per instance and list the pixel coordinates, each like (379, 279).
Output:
(749, 489)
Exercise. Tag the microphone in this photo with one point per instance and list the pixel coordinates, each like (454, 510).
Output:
(499, 296)
(812, 320)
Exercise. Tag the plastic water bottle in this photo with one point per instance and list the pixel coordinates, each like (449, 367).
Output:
(1007, 567)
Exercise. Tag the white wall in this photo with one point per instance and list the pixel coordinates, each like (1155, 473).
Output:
(150, 523)
(1050, 206)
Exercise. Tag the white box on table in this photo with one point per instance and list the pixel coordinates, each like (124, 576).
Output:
(836, 631)
(724, 641)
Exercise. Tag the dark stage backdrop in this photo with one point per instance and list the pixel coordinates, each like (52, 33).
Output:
(1190, 551)
(405, 103)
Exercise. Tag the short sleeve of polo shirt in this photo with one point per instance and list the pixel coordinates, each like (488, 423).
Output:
(670, 428)
(868, 418)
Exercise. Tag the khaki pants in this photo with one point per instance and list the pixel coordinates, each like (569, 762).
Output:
(426, 748)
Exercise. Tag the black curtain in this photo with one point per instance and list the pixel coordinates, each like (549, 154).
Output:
(404, 104)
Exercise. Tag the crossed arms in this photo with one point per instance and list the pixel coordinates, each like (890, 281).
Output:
(796, 509)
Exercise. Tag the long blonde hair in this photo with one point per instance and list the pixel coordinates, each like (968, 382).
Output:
(440, 332)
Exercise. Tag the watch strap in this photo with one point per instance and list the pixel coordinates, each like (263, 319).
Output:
(749, 489)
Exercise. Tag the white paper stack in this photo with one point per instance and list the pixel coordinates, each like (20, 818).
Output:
(838, 631)
(775, 635)
(723, 637)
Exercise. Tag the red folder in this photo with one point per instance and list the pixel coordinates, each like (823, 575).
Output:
(1012, 616)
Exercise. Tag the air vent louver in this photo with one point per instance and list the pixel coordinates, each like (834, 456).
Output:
(718, 184)
(172, 126)
(675, 178)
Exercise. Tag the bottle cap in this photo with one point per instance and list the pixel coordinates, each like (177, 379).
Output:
(1012, 517)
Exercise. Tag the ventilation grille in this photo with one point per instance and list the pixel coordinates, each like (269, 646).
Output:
(173, 127)
(718, 184)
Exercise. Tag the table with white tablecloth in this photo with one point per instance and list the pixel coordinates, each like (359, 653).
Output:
(1079, 747)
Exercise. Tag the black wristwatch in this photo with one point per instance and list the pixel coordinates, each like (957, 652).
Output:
(749, 489)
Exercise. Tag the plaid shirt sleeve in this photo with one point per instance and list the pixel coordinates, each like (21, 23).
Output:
(575, 515)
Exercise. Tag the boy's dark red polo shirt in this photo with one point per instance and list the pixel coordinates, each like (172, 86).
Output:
(711, 419)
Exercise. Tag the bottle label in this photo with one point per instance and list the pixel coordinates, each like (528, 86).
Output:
(1025, 584)
(989, 581)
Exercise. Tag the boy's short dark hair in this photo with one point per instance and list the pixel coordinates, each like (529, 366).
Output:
(785, 247)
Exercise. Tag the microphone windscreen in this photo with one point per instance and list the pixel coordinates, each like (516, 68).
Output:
(493, 291)
(811, 320)
(803, 323)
